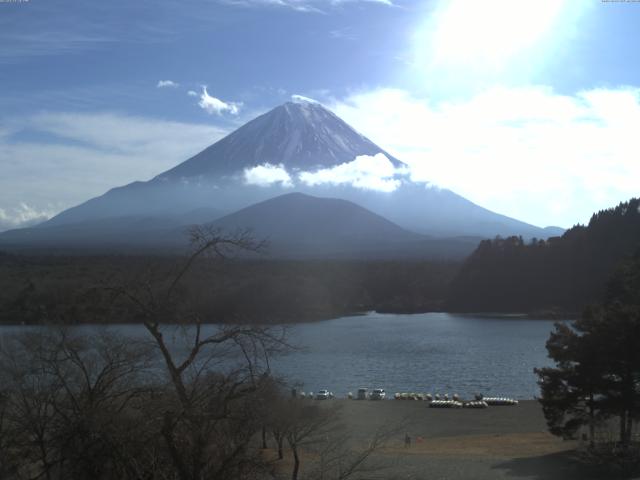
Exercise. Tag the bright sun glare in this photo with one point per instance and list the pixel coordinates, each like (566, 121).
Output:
(487, 32)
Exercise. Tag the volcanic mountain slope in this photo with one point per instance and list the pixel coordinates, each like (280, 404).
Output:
(124, 233)
(297, 136)
(299, 225)
(301, 136)
(301, 147)
(294, 225)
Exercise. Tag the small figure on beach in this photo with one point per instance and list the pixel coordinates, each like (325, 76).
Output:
(407, 440)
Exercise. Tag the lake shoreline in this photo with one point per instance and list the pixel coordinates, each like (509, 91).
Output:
(553, 315)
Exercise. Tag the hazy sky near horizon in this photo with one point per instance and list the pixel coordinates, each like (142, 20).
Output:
(528, 108)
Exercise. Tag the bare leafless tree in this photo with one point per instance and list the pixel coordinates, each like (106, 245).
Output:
(306, 425)
(208, 425)
(188, 402)
(317, 433)
(68, 409)
(339, 457)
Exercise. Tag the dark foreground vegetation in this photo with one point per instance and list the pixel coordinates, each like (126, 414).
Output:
(561, 274)
(183, 402)
(596, 381)
(108, 407)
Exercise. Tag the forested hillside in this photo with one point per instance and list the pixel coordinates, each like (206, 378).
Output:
(77, 289)
(561, 274)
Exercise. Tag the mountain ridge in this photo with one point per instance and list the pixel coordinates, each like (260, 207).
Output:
(293, 138)
(295, 226)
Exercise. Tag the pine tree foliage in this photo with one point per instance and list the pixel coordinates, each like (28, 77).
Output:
(562, 273)
(597, 372)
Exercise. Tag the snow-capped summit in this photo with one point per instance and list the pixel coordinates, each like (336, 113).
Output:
(300, 135)
(302, 99)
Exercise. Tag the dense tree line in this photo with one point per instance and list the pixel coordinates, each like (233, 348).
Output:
(560, 274)
(52, 289)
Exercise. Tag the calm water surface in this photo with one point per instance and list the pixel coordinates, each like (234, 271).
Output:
(433, 352)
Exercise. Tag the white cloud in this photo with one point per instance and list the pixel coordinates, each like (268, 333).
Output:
(530, 153)
(365, 172)
(23, 215)
(302, 99)
(167, 84)
(84, 155)
(266, 175)
(216, 106)
(192, 93)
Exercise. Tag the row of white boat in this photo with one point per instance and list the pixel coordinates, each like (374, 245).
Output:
(435, 401)
(425, 396)
(438, 401)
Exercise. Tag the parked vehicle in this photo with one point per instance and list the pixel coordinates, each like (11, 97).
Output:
(324, 395)
(362, 394)
(378, 394)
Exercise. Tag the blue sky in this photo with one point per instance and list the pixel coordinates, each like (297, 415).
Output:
(529, 108)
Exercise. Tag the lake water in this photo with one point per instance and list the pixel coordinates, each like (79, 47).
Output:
(433, 352)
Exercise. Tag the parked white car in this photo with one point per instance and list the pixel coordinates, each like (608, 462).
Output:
(378, 394)
(324, 395)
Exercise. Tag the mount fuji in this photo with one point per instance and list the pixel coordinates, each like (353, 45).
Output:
(296, 147)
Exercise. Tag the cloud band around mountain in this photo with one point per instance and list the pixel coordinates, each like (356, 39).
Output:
(366, 172)
(528, 152)
(22, 215)
(266, 175)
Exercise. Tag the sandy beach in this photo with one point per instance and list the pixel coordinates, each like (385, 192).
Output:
(495, 443)
(492, 443)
